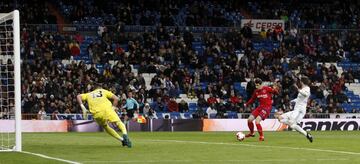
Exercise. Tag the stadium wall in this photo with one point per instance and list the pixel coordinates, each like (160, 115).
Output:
(205, 125)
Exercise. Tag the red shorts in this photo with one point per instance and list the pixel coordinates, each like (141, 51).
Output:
(261, 111)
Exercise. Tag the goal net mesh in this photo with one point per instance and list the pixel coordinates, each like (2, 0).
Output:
(7, 92)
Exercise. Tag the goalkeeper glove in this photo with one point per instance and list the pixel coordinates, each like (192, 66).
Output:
(115, 108)
(84, 111)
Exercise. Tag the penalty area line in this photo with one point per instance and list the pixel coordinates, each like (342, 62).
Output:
(264, 146)
(48, 157)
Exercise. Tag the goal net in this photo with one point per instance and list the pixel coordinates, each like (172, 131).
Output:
(10, 92)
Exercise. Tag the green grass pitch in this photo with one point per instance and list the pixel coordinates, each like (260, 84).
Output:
(189, 147)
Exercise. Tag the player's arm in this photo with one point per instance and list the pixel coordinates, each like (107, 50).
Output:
(294, 100)
(275, 89)
(112, 96)
(252, 99)
(80, 99)
(304, 92)
(115, 100)
(137, 104)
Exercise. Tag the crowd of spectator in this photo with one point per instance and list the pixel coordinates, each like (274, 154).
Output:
(154, 12)
(31, 12)
(309, 14)
(303, 14)
(207, 77)
(49, 84)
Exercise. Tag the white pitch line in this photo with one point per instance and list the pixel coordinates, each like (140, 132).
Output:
(48, 157)
(250, 145)
(220, 161)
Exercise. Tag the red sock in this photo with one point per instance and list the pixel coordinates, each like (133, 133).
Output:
(259, 128)
(251, 127)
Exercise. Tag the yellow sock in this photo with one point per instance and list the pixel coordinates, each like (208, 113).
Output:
(121, 126)
(112, 132)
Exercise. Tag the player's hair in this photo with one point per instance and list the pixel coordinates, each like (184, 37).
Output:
(258, 81)
(305, 80)
(97, 85)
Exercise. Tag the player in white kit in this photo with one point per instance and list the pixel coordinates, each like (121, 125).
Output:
(294, 117)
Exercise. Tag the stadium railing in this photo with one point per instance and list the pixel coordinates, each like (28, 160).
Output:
(177, 115)
(127, 28)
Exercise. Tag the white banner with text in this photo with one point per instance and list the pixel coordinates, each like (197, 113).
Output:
(275, 125)
(258, 24)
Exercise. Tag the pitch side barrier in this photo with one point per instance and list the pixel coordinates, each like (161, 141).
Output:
(175, 125)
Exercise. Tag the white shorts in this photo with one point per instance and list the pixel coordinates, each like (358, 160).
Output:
(292, 117)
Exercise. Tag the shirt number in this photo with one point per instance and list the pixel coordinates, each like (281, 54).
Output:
(95, 95)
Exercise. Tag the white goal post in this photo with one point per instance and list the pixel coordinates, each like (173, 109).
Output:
(10, 82)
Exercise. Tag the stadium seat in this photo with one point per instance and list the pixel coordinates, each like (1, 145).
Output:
(175, 115)
(159, 115)
(187, 115)
(232, 115)
(192, 106)
(212, 115)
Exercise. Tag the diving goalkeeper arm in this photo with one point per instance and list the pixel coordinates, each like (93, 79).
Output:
(82, 106)
(115, 102)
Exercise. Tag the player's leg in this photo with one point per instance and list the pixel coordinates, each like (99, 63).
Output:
(121, 126)
(279, 115)
(114, 119)
(259, 127)
(128, 116)
(263, 113)
(112, 132)
(302, 131)
(101, 120)
(298, 115)
(284, 118)
(251, 126)
(124, 139)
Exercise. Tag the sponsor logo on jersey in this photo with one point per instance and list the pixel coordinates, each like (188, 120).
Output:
(262, 96)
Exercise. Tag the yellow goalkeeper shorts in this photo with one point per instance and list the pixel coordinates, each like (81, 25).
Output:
(107, 115)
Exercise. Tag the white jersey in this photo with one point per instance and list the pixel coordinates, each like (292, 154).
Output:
(302, 98)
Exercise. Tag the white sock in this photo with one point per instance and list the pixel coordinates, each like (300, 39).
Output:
(299, 129)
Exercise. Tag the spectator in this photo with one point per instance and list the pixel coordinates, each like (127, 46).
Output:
(342, 98)
(74, 49)
(199, 113)
(183, 106)
(234, 102)
(250, 88)
(159, 105)
(101, 30)
(211, 110)
(172, 105)
(246, 31)
(148, 111)
(202, 103)
(211, 100)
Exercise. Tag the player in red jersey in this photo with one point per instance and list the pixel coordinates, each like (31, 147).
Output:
(264, 95)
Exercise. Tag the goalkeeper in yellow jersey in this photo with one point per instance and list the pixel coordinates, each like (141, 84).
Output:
(103, 112)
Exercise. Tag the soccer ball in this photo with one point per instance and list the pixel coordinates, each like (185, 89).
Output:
(240, 136)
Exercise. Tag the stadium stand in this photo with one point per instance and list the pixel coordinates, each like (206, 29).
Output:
(194, 52)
